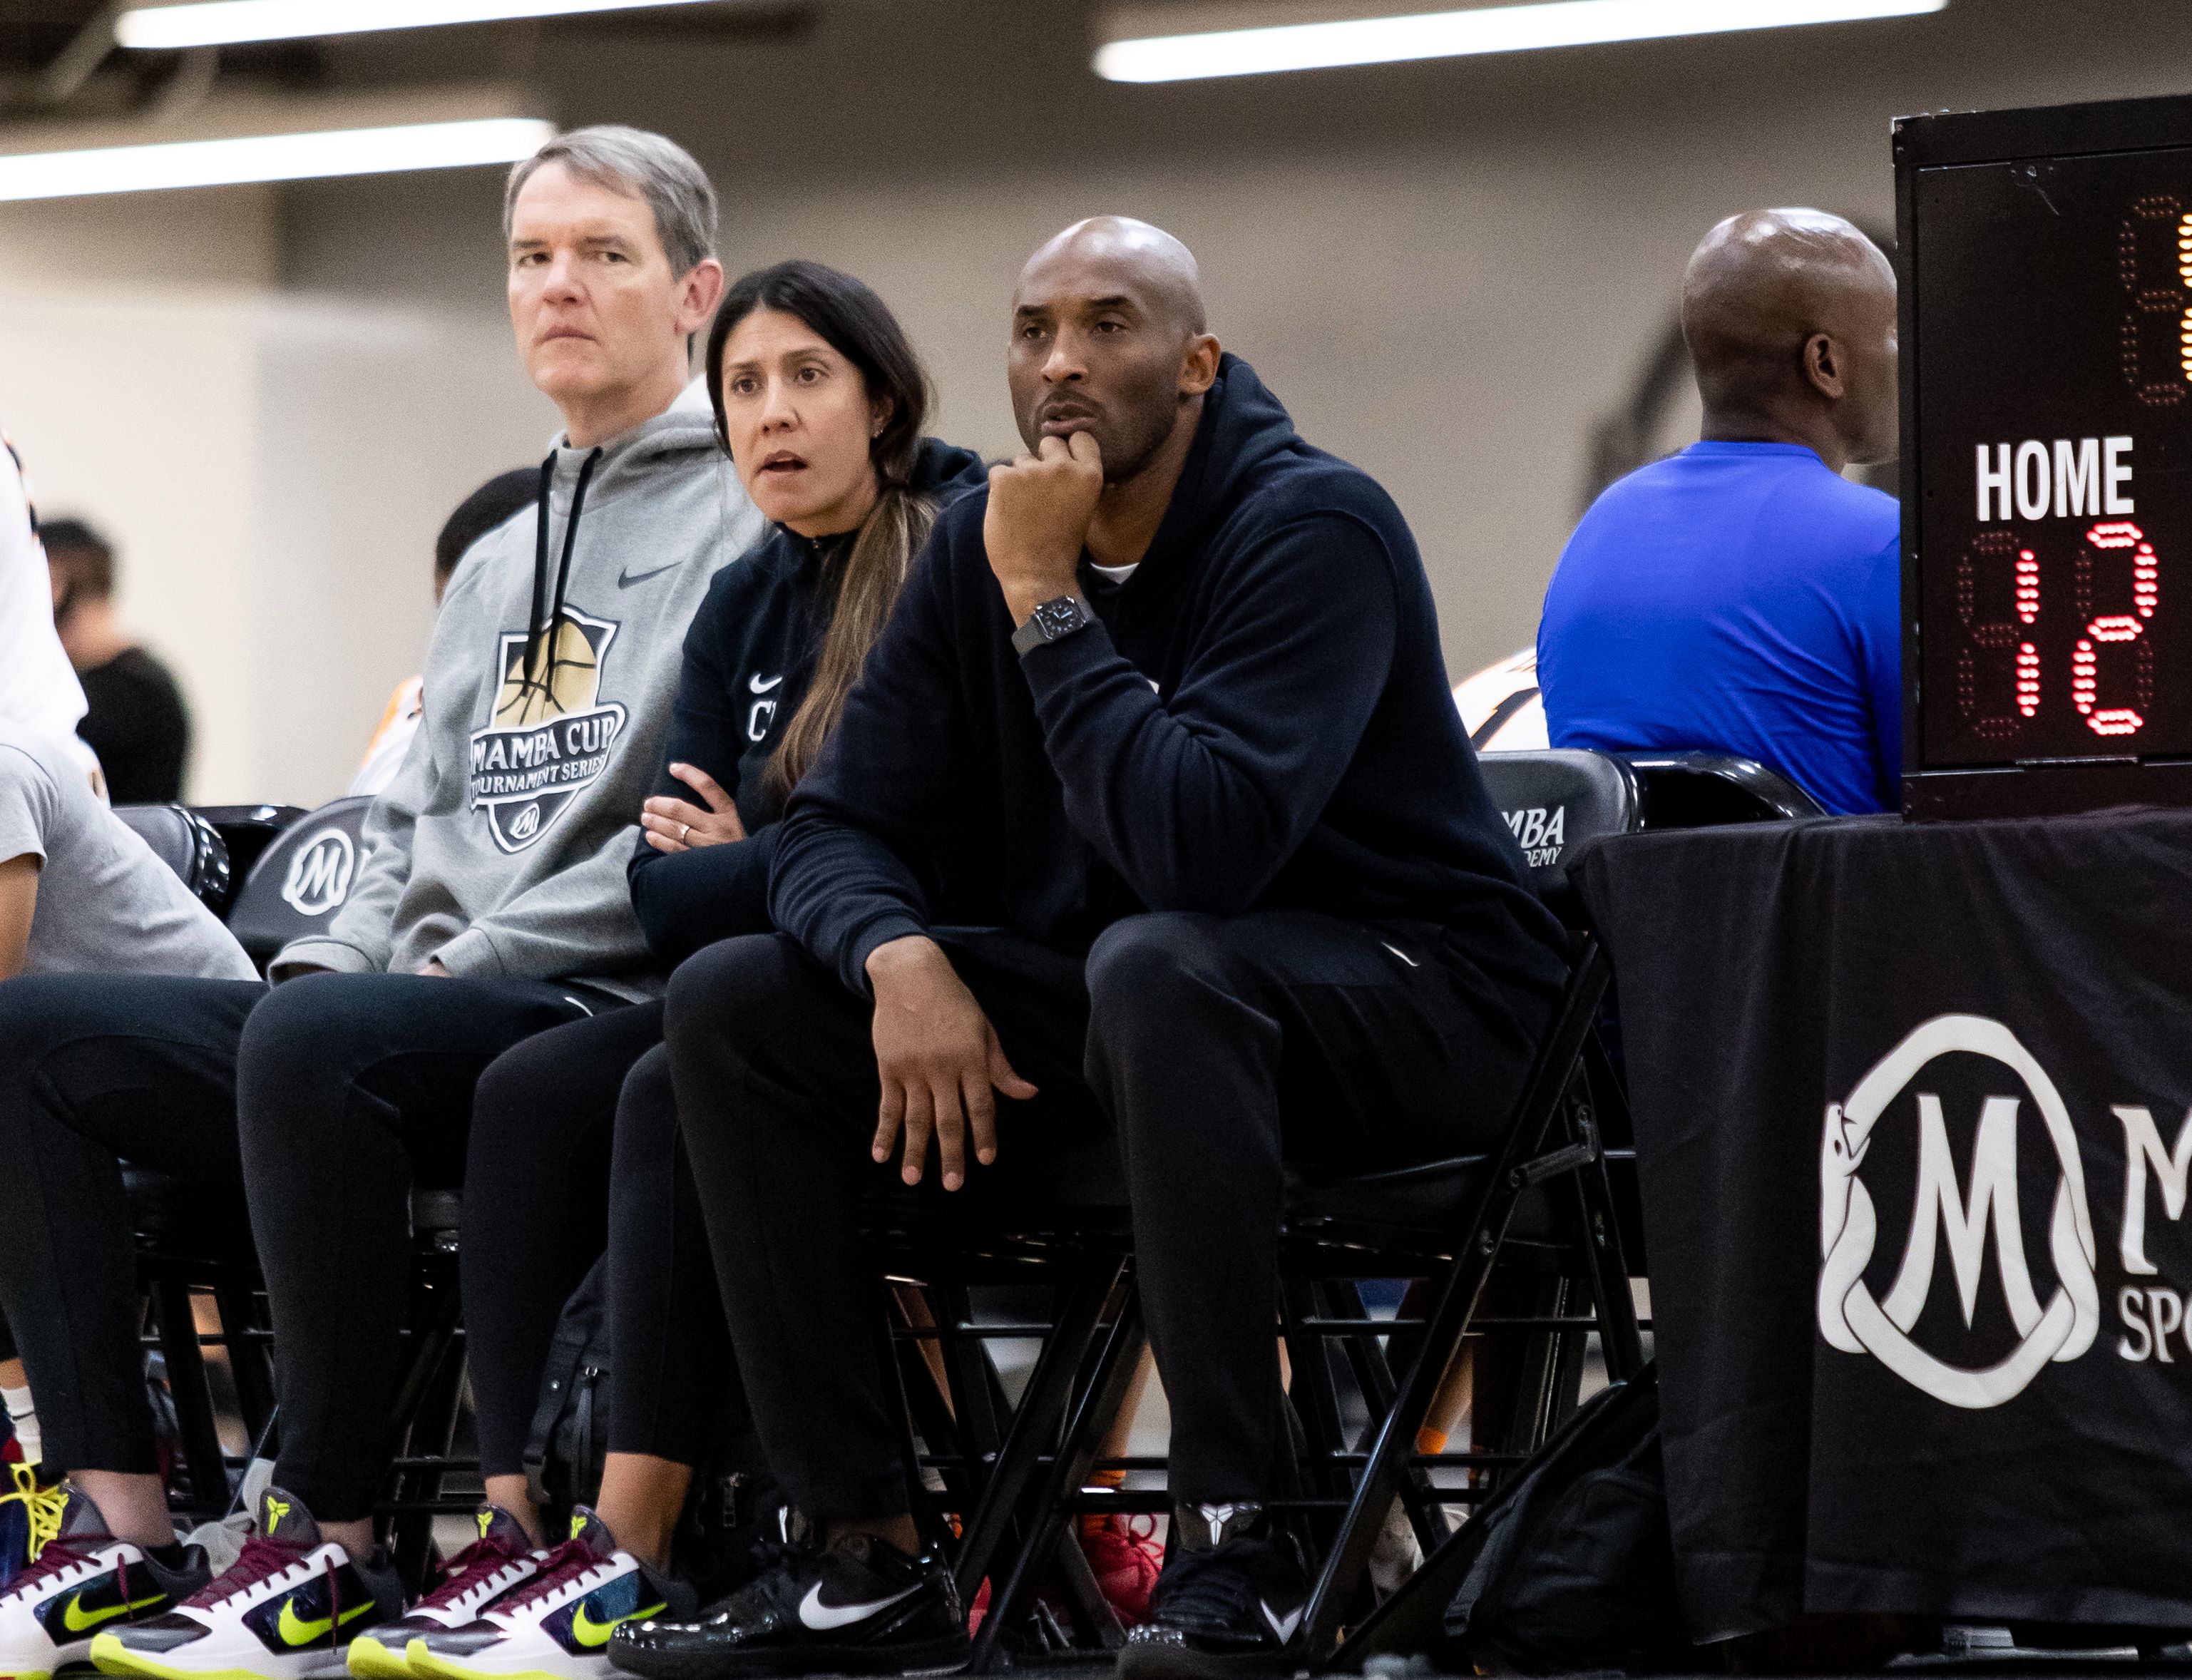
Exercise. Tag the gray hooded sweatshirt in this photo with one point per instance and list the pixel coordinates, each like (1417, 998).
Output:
(500, 847)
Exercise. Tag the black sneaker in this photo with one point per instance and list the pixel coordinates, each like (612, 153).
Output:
(859, 1606)
(1228, 1602)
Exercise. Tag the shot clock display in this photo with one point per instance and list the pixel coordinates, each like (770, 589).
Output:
(2047, 369)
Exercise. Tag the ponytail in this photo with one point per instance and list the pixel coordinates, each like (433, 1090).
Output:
(869, 575)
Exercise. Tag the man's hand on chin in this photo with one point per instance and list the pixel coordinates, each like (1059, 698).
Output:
(433, 969)
(1037, 520)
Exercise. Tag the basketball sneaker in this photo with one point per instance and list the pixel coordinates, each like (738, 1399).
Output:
(1228, 1602)
(555, 1625)
(81, 1579)
(503, 1557)
(856, 1606)
(286, 1609)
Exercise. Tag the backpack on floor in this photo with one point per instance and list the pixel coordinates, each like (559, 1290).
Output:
(734, 1501)
(1575, 1563)
(569, 1439)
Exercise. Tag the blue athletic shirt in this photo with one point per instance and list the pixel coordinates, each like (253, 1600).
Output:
(1736, 597)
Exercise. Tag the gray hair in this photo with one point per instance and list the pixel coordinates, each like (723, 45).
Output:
(642, 165)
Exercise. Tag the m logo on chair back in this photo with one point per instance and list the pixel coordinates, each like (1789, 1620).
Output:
(305, 876)
(318, 878)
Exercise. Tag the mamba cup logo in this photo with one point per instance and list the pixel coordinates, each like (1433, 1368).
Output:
(1854, 1322)
(550, 738)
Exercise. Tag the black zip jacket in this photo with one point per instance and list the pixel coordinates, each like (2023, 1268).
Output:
(1260, 720)
(748, 656)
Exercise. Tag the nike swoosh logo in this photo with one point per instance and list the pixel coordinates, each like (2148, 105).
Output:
(593, 1634)
(77, 1619)
(762, 688)
(1284, 1625)
(627, 577)
(822, 1618)
(295, 1629)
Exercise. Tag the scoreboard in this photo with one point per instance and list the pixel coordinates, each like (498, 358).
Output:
(2045, 329)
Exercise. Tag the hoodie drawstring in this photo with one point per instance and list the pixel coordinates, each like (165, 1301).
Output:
(541, 631)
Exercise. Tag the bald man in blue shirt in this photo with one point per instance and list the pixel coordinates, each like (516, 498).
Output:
(1742, 596)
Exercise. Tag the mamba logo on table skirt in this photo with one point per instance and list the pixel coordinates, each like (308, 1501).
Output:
(1997, 1076)
(550, 738)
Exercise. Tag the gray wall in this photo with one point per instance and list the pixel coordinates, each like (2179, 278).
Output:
(1448, 270)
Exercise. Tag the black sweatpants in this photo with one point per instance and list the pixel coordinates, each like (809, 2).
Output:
(575, 1147)
(330, 1097)
(1218, 1048)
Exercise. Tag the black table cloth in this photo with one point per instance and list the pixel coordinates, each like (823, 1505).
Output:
(1914, 1117)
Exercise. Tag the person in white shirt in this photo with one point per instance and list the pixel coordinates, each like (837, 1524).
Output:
(37, 685)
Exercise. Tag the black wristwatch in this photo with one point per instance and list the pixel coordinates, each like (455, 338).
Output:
(1053, 621)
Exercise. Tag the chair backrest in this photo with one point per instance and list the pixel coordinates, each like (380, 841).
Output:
(186, 843)
(1705, 790)
(1554, 799)
(301, 880)
(249, 829)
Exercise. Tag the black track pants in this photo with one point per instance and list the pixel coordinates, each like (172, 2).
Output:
(574, 1147)
(351, 1089)
(1219, 1048)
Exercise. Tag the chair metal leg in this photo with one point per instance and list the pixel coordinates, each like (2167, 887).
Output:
(1095, 1289)
(1515, 1170)
(1316, 1399)
(204, 1464)
(238, 1299)
(1069, 1468)
(1615, 1305)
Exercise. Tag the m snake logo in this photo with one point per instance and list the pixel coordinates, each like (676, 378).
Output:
(1853, 1321)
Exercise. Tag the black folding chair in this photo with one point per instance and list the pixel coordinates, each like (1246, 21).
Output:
(1705, 790)
(1049, 1244)
(1540, 1205)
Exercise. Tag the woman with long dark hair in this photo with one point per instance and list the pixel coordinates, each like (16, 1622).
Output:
(820, 402)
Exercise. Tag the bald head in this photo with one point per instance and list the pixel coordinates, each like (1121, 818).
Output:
(1790, 319)
(1109, 339)
(1161, 269)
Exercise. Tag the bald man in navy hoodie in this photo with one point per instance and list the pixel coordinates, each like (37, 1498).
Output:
(1151, 811)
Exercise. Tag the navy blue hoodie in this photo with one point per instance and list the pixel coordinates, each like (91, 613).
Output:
(1260, 720)
(750, 653)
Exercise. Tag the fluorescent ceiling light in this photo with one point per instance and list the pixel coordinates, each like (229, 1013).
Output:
(214, 23)
(267, 158)
(1487, 29)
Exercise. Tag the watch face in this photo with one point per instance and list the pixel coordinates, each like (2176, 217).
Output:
(1058, 616)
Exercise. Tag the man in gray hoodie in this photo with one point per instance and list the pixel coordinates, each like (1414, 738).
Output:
(491, 904)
